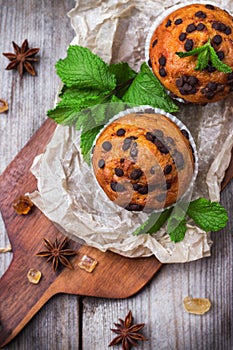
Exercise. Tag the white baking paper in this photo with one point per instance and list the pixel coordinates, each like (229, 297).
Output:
(68, 193)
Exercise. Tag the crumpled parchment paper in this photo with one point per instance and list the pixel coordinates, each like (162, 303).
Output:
(68, 193)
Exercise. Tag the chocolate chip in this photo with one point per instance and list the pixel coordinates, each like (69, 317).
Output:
(178, 21)
(222, 27)
(220, 87)
(154, 42)
(101, 163)
(120, 132)
(200, 27)
(211, 86)
(149, 136)
(136, 174)
(209, 94)
(107, 146)
(116, 187)
(182, 36)
(158, 134)
(169, 23)
(187, 88)
(200, 14)
(161, 147)
(210, 69)
(134, 150)
(167, 169)
(152, 170)
(162, 61)
(143, 189)
(120, 188)
(134, 207)
(113, 185)
(179, 160)
(149, 63)
(217, 39)
(119, 172)
(191, 28)
(193, 80)
(209, 7)
(180, 82)
(136, 187)
(215, 25)
(161, 197)
(151, 188)
(188, 45)
(227, 31)
(170, 140)
(162, 72)
(127, 143)
(167, 185)
(220, 55)
(122, 160)
(185, 133)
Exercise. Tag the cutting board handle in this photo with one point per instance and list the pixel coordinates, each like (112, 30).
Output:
(19, 299)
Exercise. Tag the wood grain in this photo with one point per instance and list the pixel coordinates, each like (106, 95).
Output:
(114, 277)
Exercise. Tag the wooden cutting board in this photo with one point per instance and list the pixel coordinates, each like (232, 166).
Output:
(114, 277)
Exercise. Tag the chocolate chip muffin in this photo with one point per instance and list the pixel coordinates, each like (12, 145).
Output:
(143, 161)
(183, 30)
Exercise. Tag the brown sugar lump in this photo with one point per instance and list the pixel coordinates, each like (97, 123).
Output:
(144, 160)
(184, 30)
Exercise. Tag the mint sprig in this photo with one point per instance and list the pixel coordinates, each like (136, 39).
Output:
(206, 54)
(84, 69)
(209, 216)
(147, 90)
(93, 92)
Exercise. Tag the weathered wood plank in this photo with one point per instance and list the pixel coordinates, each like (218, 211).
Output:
(159, 305)
(45, 25)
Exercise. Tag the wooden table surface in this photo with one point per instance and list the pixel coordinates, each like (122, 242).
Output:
(69, 322)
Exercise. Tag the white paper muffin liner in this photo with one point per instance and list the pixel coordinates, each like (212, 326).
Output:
(186, 197)
(159, 20)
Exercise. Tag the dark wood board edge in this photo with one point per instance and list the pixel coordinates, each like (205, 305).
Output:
(17, 180)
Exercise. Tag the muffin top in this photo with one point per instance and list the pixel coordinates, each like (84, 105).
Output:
(182, 31)
(143, 161)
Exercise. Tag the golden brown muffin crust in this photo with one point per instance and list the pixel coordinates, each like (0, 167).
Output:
(183, 30)
(143, 161)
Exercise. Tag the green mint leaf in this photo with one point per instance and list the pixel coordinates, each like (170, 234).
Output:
(67, 111)
(153, 224)
(209, 216)
(217, 63)
(124, 76)
(205, 54)
(193, 52)
(86, 143)
(176, 228)
(73, 92)
(122, 72)
(92, 120)
(85, 70)
(202, 60)
(147, 90)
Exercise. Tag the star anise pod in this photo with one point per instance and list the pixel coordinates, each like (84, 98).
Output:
(22, 57)
(127, 332)
(57, 253)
